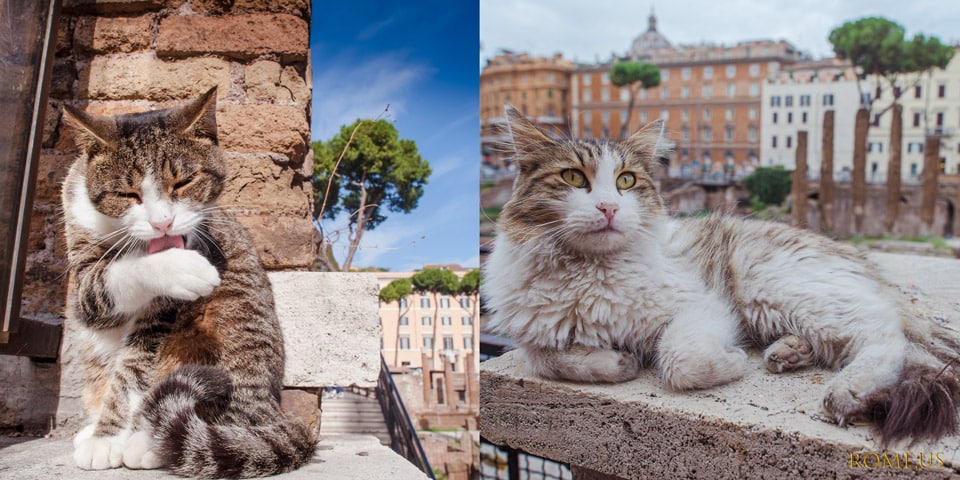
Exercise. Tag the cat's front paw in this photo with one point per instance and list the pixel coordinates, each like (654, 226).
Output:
(703, 368)
(99, 453)
(789, 353)
(843, 400)
(181, 274)
(140, 453)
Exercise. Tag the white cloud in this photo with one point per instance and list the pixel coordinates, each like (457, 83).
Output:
(344, 91)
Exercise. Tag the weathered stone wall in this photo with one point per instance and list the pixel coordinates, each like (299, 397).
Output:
(120, 56)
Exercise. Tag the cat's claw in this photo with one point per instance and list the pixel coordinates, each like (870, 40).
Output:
(788, 353)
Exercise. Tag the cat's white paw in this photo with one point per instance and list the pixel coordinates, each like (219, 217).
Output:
(788, 353)
(181, 274)
(705, 368)
(83, 434)
(583, 364)
(842, 399)
(140, 453)
(100, 453)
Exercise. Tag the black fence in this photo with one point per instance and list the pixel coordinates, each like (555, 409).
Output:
(504, 463)
(403, 437)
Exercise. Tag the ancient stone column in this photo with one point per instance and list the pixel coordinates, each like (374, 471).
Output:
(799, 182)
(826, 173)
(893, 169)
(931, 172)
(859, 183)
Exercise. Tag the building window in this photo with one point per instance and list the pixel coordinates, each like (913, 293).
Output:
(731, 71)
(663, 92)
(913, 169)
(775, 101)
(774, 117)
(425, 320)
(404, 343)
(464, 301)
(752, 134)
(466, 320)
(707, 91)
(643, 116)
(468, 342)
(403, 302)
(789, 141)
(804, 100)
(707, 72)
(942, 91)
(828, 100)
(665, 74)
(939, 119)
(549, 93)
(754, 69)
(707, 114)
(445, 320)
(915, 147)
(605, 117)
(424, 302)
(587, 117)
(444, 302)
(789, 117)
(625, 94)
(773, 143)
(643, 95)
(788, 101)
(447, 343)
(916, 119)
(876, 120)
(685, 92)
(605, 79)
(707, 134)
(605, 95)
(586, 79)
(428, 342)
(685, 73)
(665, 114)
(685, 133)
(731, 90)
(623, 117)
(728, 134)
(803, 117)
(404, 321)
(752, 114)
(917, 91)
(875, 147)
(754, 89)
(586, 95)
(685, 115)
(549, 77)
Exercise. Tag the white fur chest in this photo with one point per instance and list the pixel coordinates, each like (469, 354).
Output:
(622, 300)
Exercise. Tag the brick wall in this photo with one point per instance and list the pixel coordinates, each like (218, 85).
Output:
(120, 56)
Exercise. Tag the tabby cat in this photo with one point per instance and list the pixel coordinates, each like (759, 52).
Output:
(594, 280)
(182, 352)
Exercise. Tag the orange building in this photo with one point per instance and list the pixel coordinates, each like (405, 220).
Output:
(539, 87)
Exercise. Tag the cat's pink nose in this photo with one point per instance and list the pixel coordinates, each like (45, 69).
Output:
(162, 226)
(608, 209)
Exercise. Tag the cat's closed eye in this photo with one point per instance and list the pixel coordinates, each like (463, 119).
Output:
(574, 178)
(129, 195)
(182, 184)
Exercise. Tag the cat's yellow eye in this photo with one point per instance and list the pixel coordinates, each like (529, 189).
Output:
(574, 178)
(626, 180)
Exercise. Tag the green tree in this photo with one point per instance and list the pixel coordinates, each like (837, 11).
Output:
(470, 286)
(436, 282)
(365, 171)
(768, 185)
(635, 76)
(397, 291)
(877, 49)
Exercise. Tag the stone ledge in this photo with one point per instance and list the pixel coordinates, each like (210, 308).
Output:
(342, 457)
(763, 426)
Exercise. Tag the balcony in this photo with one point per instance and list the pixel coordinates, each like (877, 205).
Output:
(939, 131)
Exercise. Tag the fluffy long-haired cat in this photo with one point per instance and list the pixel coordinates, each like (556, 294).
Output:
(181, 348)
(594, 280)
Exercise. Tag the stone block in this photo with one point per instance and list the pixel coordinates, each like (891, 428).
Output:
(257, 182)
(51, 120)
(269, 81)
(145, 77)
(284, 242)
(303, 405)
(29, 398)
(245, 36)
(331, 327)
(64, 35)
(63, 79)
(300, 8)
(113, 34)
(51, 171)
(279, 129)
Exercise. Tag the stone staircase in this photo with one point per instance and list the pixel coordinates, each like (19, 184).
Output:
(353, 414)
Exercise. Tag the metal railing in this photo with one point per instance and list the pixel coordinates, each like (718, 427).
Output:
(403, 435)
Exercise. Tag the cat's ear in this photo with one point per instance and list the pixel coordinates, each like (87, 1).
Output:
(526, 137)
(649, 143)
(92, 130)
(198, 118)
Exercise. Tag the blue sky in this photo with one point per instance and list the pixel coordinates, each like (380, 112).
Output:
(418, 57)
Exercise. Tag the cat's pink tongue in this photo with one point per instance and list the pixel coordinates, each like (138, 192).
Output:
(165, 242)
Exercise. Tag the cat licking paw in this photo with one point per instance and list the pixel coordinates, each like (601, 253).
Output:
(187, 274)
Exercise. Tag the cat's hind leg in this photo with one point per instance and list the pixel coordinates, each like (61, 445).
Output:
(874, 367)
(790, 352)
(581, 363)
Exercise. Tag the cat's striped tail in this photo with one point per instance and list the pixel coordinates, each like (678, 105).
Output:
(183, 412)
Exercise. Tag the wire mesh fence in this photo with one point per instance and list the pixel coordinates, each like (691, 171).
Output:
(504, 463)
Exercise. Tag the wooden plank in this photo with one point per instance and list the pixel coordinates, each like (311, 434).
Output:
(33, 339)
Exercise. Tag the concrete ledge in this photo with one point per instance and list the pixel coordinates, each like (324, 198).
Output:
(331, 327)
(342, 457)
(763, 426)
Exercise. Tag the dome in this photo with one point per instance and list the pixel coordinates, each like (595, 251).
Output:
(651, 39)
